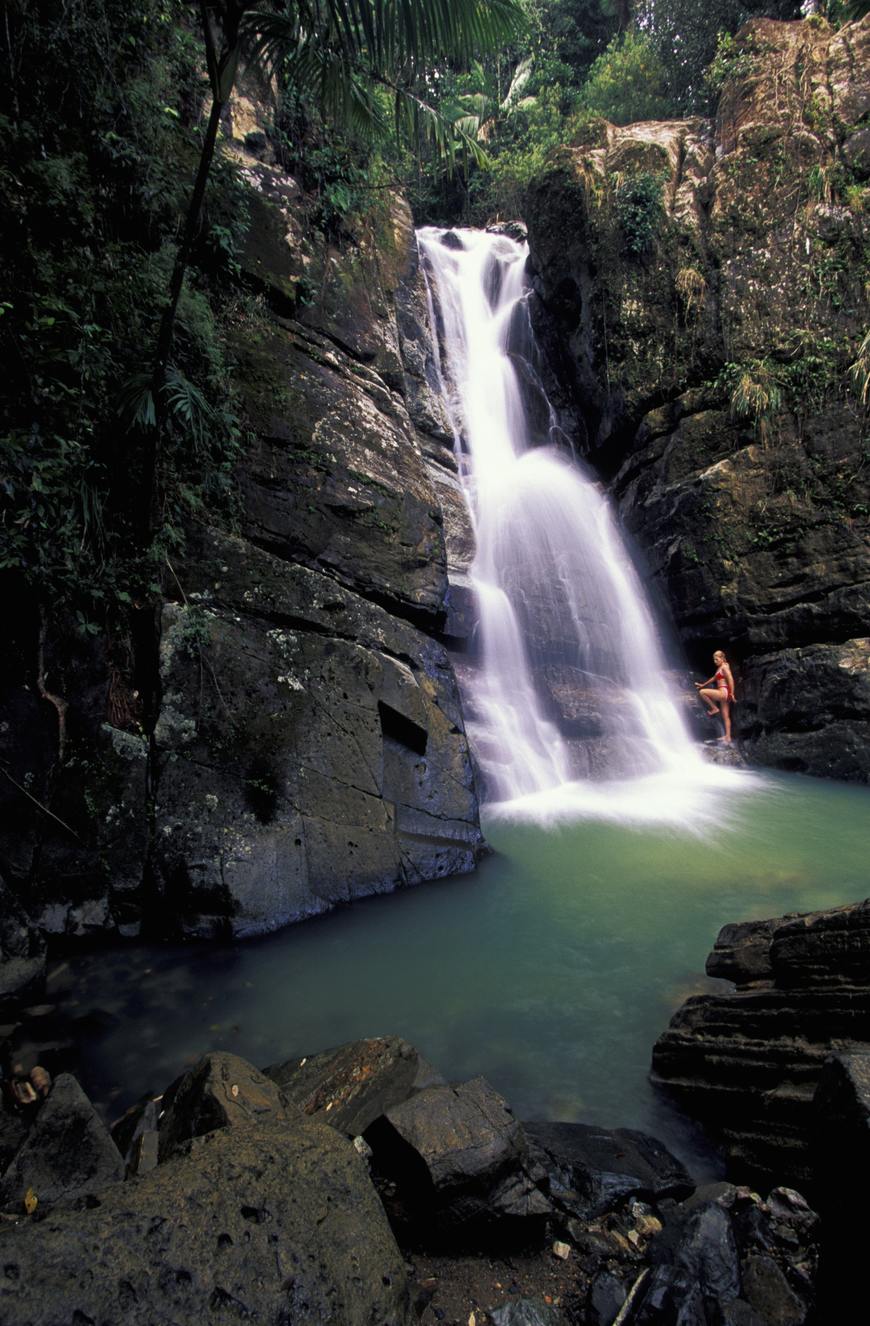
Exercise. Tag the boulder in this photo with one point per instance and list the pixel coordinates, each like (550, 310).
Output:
(276, 1223)
(528, 1312)
(591, 1170)
(352, 1086)
(22, 950)
(460, 1159)
(13, 1130)
(748, 1063)
(607, 1294)
(68, 1153)
(221, 1091)
(726, 1257)
(136, 1135)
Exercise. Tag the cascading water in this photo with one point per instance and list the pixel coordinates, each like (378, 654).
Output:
(570, 679)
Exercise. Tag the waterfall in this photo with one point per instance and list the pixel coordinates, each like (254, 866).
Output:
(569, 691)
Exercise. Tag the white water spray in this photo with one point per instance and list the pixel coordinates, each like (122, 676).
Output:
(571, 674)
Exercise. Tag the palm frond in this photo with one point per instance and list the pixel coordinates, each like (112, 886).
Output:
(135, 405)
(388, 35)
(186, 403)
(418, 119)
(345, 94)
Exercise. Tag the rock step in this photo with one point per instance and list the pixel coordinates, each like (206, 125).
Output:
(749, 1063)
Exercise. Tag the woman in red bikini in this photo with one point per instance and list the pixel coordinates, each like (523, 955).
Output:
(720, 695)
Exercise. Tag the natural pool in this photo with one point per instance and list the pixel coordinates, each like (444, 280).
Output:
(551, 971)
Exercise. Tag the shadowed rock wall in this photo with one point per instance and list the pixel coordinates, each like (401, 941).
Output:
(702, 284)
(301, 742)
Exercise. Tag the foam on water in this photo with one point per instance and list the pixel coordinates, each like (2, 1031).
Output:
(701, 805)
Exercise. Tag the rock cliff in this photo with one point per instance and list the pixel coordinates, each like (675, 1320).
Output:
(702, 283)
(291, 735)
(750, 1061)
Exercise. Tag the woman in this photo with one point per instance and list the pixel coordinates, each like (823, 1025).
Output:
(717, 692)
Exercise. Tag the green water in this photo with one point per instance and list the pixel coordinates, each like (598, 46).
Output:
(551, 971)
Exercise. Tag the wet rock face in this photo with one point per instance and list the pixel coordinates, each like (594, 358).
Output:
(749, 1063)
(591, 1169)
(709, 341)
(311, 747)
(335, 478)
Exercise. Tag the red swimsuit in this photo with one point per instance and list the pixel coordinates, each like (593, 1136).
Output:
(720, 677)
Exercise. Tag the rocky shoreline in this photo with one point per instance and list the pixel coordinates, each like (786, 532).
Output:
(357, 1186)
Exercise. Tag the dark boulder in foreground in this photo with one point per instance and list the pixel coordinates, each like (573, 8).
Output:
(351, 1086)
(258, 1212)
(67, 1154)
(221, 1091)
(726, 1258)
(748, 1062)
(276, 1224)
(590, 1169)
(460, 1161)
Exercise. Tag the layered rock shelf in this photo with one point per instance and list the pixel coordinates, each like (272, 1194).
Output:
(751, 1063)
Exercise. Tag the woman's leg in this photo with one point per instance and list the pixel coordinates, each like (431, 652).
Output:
(710, 697)
(726, 717)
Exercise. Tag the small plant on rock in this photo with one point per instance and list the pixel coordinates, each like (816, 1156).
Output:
(860, 370)
(639, 210)
(755, 394)
(692, 289)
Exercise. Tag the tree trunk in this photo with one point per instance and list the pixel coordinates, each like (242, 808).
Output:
(167, 324)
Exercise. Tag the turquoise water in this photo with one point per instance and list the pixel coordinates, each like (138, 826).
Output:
(551, 971)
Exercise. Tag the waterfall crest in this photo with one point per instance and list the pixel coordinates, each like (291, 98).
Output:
(570, 687)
